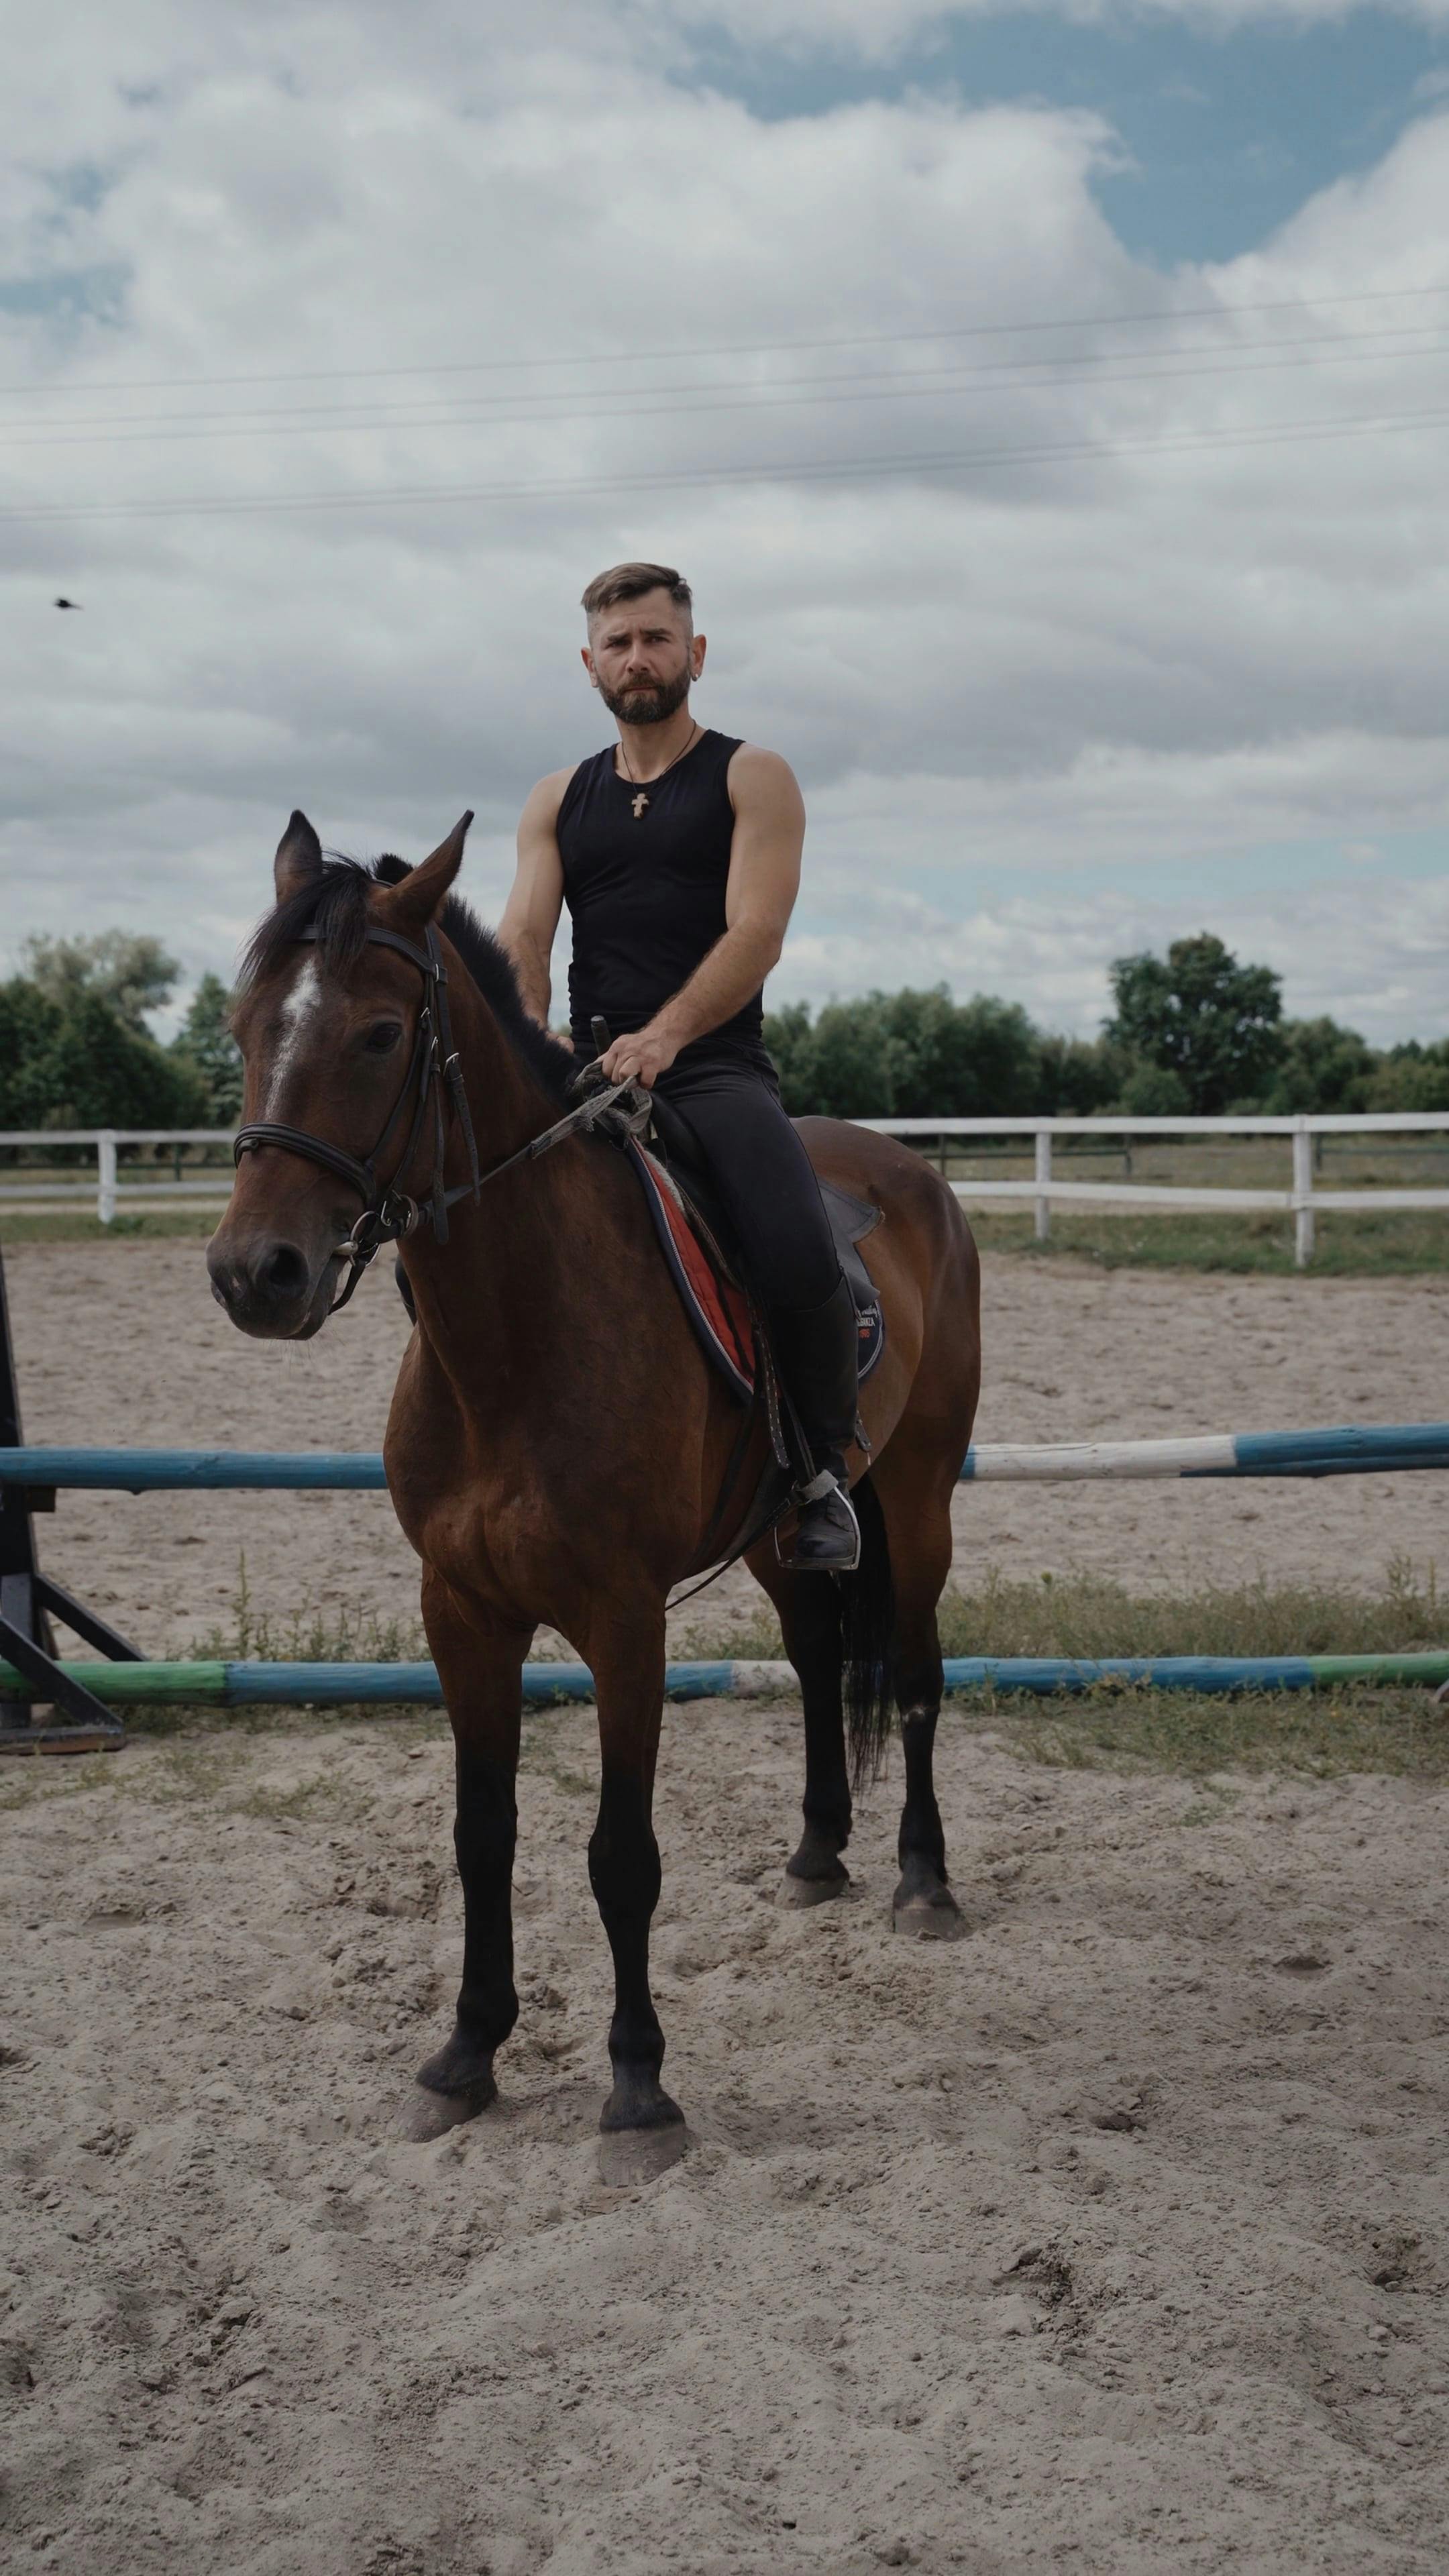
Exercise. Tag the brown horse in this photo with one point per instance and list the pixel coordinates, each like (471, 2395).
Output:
(557, 1443)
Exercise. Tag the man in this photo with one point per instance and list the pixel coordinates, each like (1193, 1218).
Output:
(677, 851)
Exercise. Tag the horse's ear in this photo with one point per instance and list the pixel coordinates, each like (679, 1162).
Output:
(298, 859)
(410, 905)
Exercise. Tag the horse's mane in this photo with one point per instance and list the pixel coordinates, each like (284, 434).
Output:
(334, 905)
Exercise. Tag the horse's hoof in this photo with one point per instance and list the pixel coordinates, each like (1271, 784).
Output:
(455, 2085)
(628, 2157)
(431, 2115)
(797, 1892)
(936, 1917)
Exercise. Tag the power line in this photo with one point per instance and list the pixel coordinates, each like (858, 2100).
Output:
(742, 348)
(1003, 375)
(1306, 433)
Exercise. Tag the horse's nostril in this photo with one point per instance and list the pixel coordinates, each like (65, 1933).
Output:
(283, 1272)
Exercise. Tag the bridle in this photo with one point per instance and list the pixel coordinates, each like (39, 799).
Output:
(388, 1212)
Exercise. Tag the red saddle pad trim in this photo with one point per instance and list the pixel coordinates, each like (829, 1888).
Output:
(716, 1308)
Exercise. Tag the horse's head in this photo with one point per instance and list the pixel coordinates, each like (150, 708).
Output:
(328, 1025)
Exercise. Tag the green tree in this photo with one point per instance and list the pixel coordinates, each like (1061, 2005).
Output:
(791, 1042)
(1411, 1077)
(1079, 1076)
(978, 1059)
(206, 1045)
(1324, 1066)
(101, 1073)
(129, 972)
(30, 1029)
(851, 1066)
(1200, 1015)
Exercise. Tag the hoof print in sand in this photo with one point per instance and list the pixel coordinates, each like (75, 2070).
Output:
(628, 2157)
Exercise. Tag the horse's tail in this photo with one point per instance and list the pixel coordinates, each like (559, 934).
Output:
(867, 1630)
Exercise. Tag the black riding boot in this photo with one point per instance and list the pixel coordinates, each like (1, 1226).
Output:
(816, 1349)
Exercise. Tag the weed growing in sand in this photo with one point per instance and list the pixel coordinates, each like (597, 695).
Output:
(1090, 1615)
(1121, 1727)
(312, 1632)
(193, 1770)
(539, 1754)
(28, 1781)
(1322, 1733)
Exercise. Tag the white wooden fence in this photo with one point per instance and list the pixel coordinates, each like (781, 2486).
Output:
(109, 1193)
(19, 1190)
(1300, 1197)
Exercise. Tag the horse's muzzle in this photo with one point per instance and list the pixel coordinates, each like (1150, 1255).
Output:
(270, 1288)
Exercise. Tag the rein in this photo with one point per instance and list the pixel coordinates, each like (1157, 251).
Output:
(388, 1212)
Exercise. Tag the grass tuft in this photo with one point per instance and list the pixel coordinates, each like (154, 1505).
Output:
(339, 1632)
(1348, 1247)
(1116, 1727)
(1090, 1615)
(1320, 1734)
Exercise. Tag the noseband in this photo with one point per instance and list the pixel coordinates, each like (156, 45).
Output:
(388, 1213)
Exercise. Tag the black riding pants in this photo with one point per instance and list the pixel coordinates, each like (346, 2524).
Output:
(762, 1172)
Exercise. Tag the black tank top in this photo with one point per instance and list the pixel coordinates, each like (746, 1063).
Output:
(647, 895)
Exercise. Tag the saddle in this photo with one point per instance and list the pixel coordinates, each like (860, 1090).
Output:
(698, 1244)
(703, 1257)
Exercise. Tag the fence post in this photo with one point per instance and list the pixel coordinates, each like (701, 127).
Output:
(106, 1175)
(1043, 1174)
(1302, 1194)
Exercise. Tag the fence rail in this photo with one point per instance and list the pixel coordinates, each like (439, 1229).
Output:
(106, 1190)
(1040, 1190)
(1300, 1199)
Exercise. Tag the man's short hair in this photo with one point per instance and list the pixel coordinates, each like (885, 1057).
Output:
(633, 581)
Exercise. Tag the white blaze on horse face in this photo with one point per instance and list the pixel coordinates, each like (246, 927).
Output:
(300, 1005)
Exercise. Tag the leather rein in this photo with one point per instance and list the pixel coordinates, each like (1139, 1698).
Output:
(434, 1073)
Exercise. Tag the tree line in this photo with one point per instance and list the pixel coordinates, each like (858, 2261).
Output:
(1191, 1034)
(76, 1050)
(1194, 1033)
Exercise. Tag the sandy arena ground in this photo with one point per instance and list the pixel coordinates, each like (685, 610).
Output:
(1112, 2238)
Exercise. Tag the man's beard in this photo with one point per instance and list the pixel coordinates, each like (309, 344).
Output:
(648, 706)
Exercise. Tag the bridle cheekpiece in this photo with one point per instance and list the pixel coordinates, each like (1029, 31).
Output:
(388, 1213)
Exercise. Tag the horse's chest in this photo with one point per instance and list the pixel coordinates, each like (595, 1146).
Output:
(494, 1529)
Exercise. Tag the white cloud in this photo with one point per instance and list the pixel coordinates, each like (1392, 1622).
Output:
(1034, 670)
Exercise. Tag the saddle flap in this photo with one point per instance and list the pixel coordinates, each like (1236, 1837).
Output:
(678, 1192)
(851, 1220)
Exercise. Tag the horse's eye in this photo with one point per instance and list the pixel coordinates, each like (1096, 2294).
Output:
(382, 1037)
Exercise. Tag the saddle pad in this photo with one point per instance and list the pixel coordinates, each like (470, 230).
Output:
(717, 1307)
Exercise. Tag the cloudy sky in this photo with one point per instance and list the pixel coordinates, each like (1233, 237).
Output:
(1049, 405)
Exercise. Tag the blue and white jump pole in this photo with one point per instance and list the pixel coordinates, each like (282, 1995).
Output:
(1349, 1449)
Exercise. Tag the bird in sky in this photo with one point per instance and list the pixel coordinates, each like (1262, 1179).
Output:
(67, 603)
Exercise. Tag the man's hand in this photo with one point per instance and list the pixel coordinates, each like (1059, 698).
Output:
(641, 1058)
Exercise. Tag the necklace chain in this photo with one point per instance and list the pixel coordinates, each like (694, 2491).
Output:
(644, 785)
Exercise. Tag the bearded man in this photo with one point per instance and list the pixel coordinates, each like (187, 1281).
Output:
(677, 851)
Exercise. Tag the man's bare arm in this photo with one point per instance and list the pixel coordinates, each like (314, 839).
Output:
(764, 880)
(531, 914)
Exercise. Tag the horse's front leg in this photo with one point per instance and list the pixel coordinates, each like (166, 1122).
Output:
(480, 1662)
(643, 2129)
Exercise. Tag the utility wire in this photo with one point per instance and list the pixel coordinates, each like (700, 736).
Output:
(741, 348)
(1304, 433)
(1002, 375)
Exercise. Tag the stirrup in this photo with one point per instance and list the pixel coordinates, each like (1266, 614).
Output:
(827, 1534)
